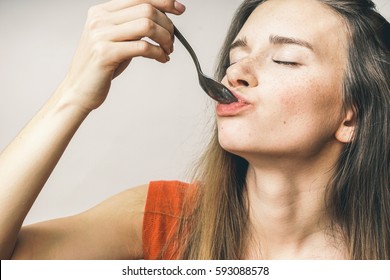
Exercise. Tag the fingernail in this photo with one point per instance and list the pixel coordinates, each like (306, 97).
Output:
(167, 57)
(179, 7)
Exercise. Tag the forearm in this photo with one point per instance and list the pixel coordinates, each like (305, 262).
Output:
(111, 39)
(26, 164)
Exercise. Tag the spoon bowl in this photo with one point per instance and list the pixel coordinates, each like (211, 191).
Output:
(214, 89)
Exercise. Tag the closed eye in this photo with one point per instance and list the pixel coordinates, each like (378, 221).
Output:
(287, 63)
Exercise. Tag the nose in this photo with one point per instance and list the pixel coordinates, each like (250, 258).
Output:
(241, 74)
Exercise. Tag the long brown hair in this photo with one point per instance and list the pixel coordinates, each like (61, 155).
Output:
(358, 197)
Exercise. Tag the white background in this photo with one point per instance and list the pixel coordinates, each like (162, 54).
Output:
(113, 270)
(154, 123)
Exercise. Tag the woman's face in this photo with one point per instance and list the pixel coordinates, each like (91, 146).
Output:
(287, 67)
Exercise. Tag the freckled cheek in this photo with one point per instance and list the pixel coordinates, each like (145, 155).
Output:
(291, 103)
(311, 99)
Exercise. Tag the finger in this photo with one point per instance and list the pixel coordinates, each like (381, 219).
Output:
(141, 11)
(168, 6)
(143, 28)
(124, 51)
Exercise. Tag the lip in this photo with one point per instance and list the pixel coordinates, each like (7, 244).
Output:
(235, 108)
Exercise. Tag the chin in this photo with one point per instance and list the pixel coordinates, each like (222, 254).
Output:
(234, 145)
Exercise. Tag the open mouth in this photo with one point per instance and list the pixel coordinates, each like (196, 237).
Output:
(235, 108)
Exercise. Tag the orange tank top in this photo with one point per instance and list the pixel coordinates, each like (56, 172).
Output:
(163, 209)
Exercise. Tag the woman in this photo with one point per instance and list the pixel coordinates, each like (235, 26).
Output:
(298, 168)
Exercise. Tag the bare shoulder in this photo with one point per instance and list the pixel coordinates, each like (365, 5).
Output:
(110, 230)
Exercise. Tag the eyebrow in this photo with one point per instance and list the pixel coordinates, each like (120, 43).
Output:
(280, 40)
(239, 43)
(274, 39)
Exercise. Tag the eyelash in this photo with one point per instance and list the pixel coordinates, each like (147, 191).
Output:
(286, 63)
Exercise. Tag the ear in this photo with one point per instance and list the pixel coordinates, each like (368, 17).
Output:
(345, 132)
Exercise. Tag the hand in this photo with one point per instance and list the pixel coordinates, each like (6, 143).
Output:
(112, 37)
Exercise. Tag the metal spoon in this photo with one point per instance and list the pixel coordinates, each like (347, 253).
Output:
(214, 89)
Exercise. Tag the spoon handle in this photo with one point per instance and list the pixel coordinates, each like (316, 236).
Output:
(188, 47)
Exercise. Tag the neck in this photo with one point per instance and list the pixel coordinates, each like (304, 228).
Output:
(287, 208)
